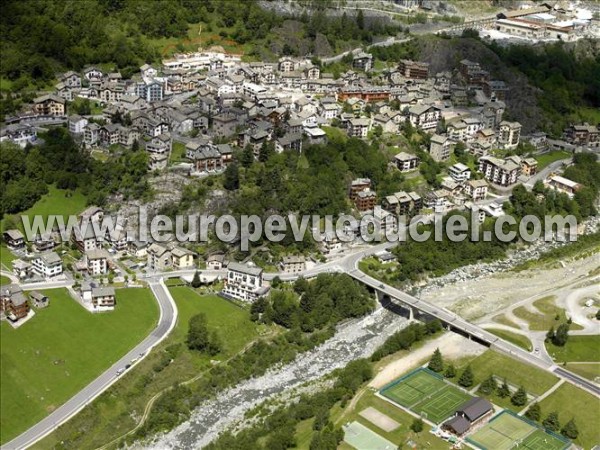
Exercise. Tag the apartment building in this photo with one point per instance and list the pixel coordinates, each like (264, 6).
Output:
(503, 172)
(244, 282)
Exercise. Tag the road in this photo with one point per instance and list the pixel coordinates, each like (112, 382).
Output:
(166, 322)
(347, 264)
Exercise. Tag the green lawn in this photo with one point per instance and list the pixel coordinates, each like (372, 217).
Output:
(578, 348)
(572, 402)
(62, 349)
(177, 153)
(503, 320)
(591, 371)
(515, 338)
(4, 280)
(548, 158)
(118, 409)
(56, 201)
(534, 380)
(6, 257)
(546, 317)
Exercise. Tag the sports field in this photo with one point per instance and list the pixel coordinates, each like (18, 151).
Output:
(426, 393)
(361, 438)
(507, 431)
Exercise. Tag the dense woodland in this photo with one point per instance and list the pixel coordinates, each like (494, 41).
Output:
(26, 173)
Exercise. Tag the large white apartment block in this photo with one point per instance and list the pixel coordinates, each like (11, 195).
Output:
(503, 172)
(47, 265)
(510, 134)
(244, 282)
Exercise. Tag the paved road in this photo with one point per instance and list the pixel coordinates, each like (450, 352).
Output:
(166, 322)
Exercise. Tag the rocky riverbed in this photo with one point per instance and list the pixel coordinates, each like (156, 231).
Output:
(353, 340)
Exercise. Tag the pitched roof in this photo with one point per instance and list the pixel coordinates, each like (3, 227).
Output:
(475, 408)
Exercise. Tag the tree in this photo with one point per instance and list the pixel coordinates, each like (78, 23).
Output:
(450, 371)
(504, 390)
(598, 315)
(266, 150)
(436, 363)
(534, 412)
(247, 156)
(276, 282)
(550, 335)
(519, 398)
(258, 307)
(196, 282)
(466, 378)
(488, 386)
(200, 338)
(570, 430)
(562, 335)
(551, 422)
(231, 180)
(417, 425)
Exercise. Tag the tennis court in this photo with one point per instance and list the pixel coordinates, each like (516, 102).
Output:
(361, 438)
(442, 403)
(412, 388)
(507, 431)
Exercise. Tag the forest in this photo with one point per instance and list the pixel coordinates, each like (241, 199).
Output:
(26, 173)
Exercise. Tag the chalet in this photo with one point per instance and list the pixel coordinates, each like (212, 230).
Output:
(362, 61)
(424, 116)
(583, 134)
(70, 79)
(14, 239)
(159, 257)
(216, 262)
(405, 161)
(137, 249)
(414, 69)
(22, 269)
(77, 124)
(103, 298)
(20, 134)
(562, 184)
(476, 189)
(459, 172)
(91, 134)
(365, 200)
(244, 282)
(13, 302)
(49, 105)
(39, 299)
(96, 262)
(529, 167)
(182, 258)
(358, 127)
(289, 142)
(293, 264)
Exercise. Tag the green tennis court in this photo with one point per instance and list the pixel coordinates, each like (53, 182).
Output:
(441, 404)
(412, 388)
(507, 431)
(362, 438)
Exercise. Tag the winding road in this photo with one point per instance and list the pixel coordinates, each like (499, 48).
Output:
(166, 322)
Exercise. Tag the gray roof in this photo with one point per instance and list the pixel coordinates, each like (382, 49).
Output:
(103, 291)
(243, 268)
(475, 408)
(458, 424)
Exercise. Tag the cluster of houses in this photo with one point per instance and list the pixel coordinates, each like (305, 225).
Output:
(15, 304)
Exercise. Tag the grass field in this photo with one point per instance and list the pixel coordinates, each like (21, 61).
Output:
(515, 338)
(4, 280)
(534, 380)
(546, 317)
(56, 201)
(506, 431)
(503, 320)
(578, 348)
(426, 394)
(63, 348)
(6, 258)
(591, 371)
(550, 157)
(572, 402)
(177, 153)
(117, 410)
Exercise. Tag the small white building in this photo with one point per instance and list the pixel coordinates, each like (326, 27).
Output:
(47, 265)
